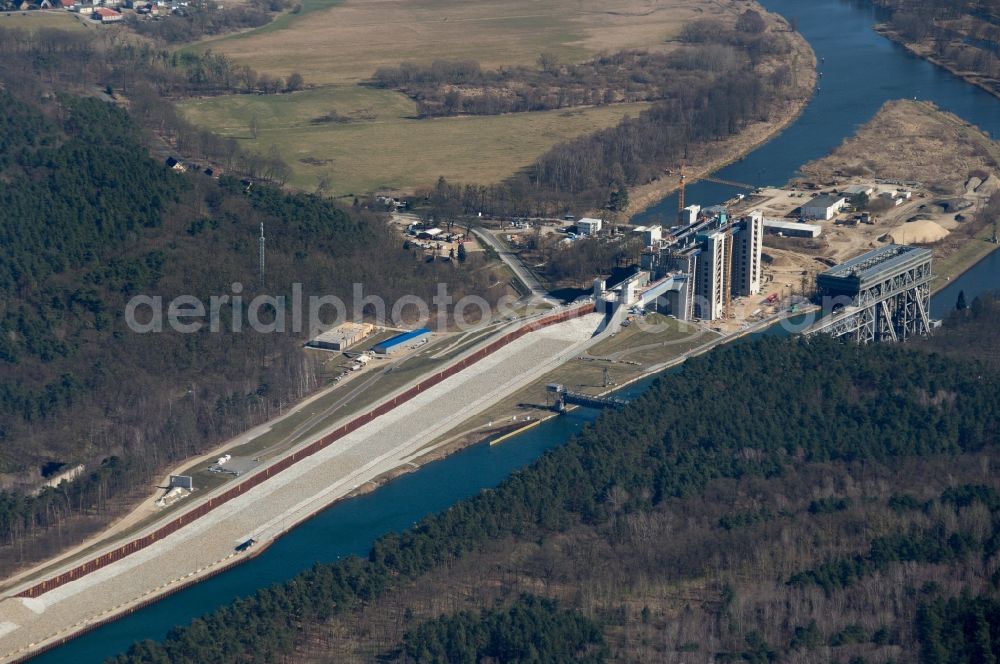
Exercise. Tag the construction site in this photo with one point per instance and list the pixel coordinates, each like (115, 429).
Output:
(216, 527)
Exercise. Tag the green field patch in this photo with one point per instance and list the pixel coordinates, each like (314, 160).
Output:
(363, 139)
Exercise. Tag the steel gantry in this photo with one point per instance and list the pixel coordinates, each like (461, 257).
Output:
(883, 295)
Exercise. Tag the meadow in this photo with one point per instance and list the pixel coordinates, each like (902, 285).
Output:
(33, 20)
(374, 143)
(344, 42)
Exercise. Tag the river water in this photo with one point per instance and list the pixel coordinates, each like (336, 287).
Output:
(861, 70)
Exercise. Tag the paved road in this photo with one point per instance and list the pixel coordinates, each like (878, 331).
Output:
(538, 292)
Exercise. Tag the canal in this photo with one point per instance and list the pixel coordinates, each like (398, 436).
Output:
(861, 70)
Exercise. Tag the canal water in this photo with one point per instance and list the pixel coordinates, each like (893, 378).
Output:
(861, 70)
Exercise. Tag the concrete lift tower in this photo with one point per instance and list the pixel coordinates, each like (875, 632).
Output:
(882, 295)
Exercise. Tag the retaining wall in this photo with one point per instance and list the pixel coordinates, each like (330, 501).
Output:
(293, 458)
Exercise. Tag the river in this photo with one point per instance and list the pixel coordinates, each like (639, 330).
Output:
(861, 70)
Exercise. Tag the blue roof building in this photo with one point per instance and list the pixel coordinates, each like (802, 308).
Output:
(397, 342)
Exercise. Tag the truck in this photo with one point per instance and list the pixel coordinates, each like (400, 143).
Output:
(243, 546)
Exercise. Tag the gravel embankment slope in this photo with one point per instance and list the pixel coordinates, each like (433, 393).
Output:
(289, 497)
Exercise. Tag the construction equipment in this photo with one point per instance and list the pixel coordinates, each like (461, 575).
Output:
(680, 194)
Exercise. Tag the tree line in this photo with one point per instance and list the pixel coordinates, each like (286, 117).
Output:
(38, 62)
(444, 87)
(203, 18)
(962, 33)
(723, 80)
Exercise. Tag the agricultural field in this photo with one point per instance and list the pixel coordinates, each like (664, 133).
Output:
(370, 139)
(345, 42)
(363, 139)
(33, 20)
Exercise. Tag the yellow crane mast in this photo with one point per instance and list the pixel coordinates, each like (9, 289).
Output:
(680, 193)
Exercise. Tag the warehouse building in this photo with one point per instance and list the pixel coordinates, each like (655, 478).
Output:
(791, 228)
(398, 342)
(342, 336)
(823, 207)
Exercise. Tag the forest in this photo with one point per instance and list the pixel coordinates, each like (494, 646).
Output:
(722, 79)
(531, 629)
(36, 63)
(683, 534)
(963, 34)
(93, 221)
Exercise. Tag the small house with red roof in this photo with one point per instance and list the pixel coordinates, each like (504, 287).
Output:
(107, 15)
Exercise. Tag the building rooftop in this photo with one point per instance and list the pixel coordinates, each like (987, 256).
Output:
(344, 333)
(858, 189)
(824, 201)
(778, 223)
(877, 262)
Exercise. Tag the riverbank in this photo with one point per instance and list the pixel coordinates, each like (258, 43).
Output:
(708, 158)
(467, 436)
(951, 169)
(923, 50)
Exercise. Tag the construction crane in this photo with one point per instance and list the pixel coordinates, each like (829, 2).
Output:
(680, 193)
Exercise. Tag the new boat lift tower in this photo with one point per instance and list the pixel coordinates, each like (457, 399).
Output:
(882, 295)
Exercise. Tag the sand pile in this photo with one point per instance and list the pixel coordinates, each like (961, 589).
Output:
(918, 232)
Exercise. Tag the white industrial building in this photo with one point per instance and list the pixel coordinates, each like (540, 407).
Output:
(651, 235)
(342, 336)
(823, 207)
(859, 189)
(690, 214)
(791, 228)
(589, 226)
(710, 275)
(747, 247)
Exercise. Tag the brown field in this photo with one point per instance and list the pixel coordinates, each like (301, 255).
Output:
(389, 150)
(335, 44)
(33, 20)
(349, 41)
